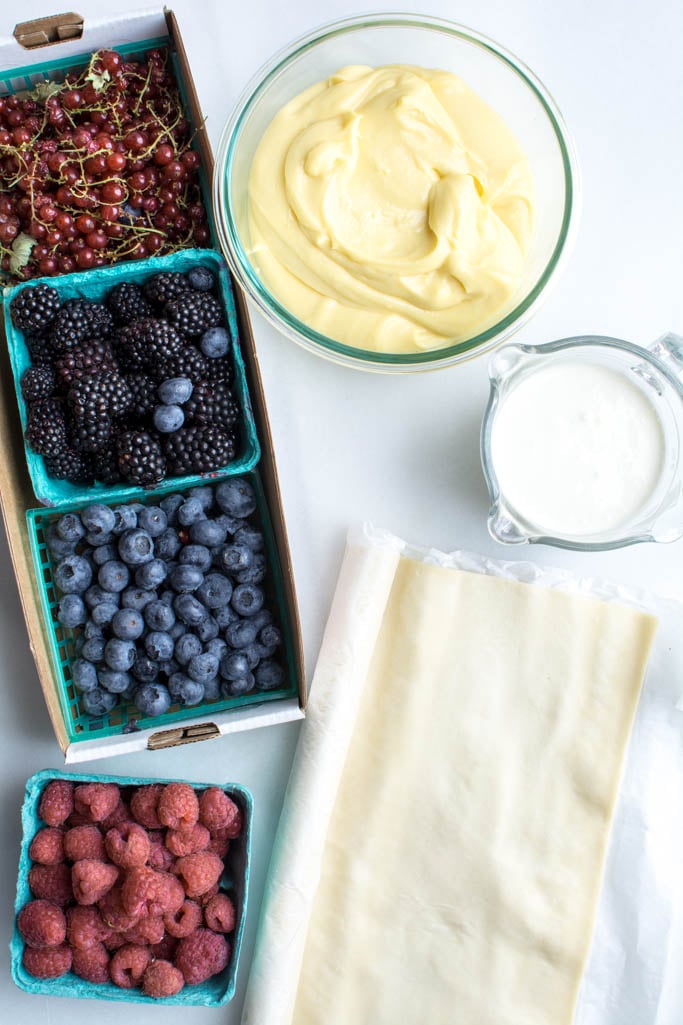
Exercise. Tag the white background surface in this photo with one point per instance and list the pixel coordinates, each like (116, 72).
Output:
(401, 452)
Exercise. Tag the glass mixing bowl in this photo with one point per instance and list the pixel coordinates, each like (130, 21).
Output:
(507, 85)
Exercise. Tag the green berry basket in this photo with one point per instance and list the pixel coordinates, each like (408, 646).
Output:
(125, 719)
(94, 285)
(215, 991)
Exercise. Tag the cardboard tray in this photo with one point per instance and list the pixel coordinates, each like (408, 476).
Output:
(16, 494)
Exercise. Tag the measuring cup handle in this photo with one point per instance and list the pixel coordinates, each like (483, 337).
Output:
(669, 349)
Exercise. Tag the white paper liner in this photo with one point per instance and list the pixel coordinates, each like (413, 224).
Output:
(625, 972)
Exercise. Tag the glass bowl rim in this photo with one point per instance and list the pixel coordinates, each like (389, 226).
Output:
(296, 329)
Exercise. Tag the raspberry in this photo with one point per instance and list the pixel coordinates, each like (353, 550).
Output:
(219, 913)
(147, 891)
(128, 845)
(161, 979)
(186, 919)
(218, 811)
(91, 879)
(178, 806)
(47, 964)
(219, 845)
(114, 941)
(199, 872)
(120, 814)
(47, 846)
(202, 954)
(51, 882)
(164, 951)
(84, 926)
(182, 842)
(42, 924)
(204, 899)
(128, 965)
(91, 963)
(56, 802)
(96, 800)
(160, 857)
(113, 913)
(148, 929)
(76, 819)
(83, 842)
(143, 805)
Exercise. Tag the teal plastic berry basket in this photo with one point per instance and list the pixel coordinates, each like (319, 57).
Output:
(215, 991)
(95, 285)
(125, 718)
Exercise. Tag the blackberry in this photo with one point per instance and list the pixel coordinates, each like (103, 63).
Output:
(212, 404)
(186, 362)
(78, 320)
(222, 371)
(94, 356)
(69, 465)
(127, 303)
(194, 312)
(46, 427)
(105, 464)
(141, 460)
(92, 434)
(94, 403)
(41, 351)
(37, 383)
(199, 449)
(143, 343)
(34, 308)
(144, 394)
(163, 287)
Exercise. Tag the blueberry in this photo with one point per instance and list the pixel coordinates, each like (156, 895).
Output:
(167, 597)
(93, 649)
(247, 599)
(190, 511)
(269, 675)
(270, 636)
(253, 654)
(251, 537)
(207, 532)
(201, 278)
(145, 669)
(159, 645)
(225, 616)
(184, 579)
(104, 553)
(57, 546)
(233, 665)
(207, 629)
(177, 630)
(187, 647)
(236, 497)
(175, 390)
(125, 518)
(73, 574)
(203, 667)
(237, 687)
(99, 701)
(103, 614)
(91, 631)
(169, 666)
(84, 674)
(262, 618)
(159, 616)
(119, 654)
(176, 682)
(215, 591)
(170, 504)
(231, 524)
(256, 573)
(152, 699)
(241, 633)
(167, 545)
(96, 595)
(136, 547)
(98, 519)
(113, 576)
(205, 496)
(128, 624)
(136, 598)
(217, 647)
(212, 689)
(191, 692)
(96, 540)
(152, 519)
(70, 527)
(71, 611)
(195, 555)
(215, 342)
(151, 575)
(113, 681)
(168, 419)
(233, 558)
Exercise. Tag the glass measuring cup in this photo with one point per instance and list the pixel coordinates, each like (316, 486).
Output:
(657, 372)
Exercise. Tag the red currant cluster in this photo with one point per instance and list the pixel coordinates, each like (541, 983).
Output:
(98, 169)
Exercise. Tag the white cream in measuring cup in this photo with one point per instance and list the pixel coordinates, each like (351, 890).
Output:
(581, 444)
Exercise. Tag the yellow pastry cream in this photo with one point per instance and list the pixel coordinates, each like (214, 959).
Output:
(391, 209)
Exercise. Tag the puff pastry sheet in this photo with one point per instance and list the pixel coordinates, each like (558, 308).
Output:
(445, 860)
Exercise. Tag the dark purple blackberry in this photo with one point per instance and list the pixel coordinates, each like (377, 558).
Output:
(127, 303)
(37, 383)
(143, 389)
(94, 356)
(186, 362)
(69, 465)
(222, 371)
(144, 343)
(212, 404)
(141, 460)
(94, 403)
(92, 434)
(46, 427)
(34, 308)
(199, 449)
(192, 313)
(161, 288)
(40, 349)
(78, 320)
(105, 464)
